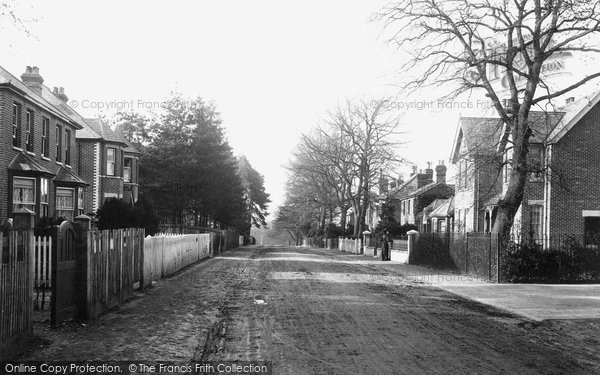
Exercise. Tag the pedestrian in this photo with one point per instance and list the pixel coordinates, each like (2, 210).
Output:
(385, 246)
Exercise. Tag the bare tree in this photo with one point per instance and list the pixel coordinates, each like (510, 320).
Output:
(371, 131)
(455, 43)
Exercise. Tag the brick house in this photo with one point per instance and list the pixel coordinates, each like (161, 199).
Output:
(38, 163)
(418, 192)
(109, 162)
(561, 195)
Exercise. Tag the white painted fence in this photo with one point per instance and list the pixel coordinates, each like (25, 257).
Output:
(43, 262)
(350, 245)
(165, 255)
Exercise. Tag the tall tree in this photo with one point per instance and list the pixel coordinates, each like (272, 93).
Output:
(188, 169)
(257, 199)
(459, 43)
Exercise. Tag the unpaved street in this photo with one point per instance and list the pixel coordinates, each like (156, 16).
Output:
(322, 312)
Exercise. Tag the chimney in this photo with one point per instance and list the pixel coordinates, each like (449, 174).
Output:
(429, 171)
(59, 92)
(400, 180)
(414, 170)
(393, 184)
(440, 173)
(383, 183)
(32, 79)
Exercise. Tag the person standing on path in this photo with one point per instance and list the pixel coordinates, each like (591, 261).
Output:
(385, 246)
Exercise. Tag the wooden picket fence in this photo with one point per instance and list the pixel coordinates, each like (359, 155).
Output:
(114, 266)
(42, 282)
(16, 291)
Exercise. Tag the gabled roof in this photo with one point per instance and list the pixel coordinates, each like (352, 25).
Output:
(426, 212)
(66, 175)
(574, 112)
(482, 135)
(479, 134)
(444, 210)
(24, 163)
(426, 188)
(7, 79)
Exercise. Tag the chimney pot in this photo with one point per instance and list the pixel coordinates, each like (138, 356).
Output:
(440, 173)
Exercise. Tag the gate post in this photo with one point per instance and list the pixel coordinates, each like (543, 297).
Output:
(24, 220)
(412, 242)
(84, 225)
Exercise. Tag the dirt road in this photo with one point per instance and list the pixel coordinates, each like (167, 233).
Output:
(322, 312)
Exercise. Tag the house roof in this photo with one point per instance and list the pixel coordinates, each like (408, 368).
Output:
(444, 210)
(129, 147)
(98, 129)
(573, 113)
(425, 213)
(479, 135)
(64, 108)
(66, 175)
(24, 163)
(7, 79)
(428, 187)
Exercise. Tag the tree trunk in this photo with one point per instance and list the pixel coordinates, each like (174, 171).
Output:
(510, 203)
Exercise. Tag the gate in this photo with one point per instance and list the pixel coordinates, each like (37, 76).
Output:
(68, 273)
(16, 286)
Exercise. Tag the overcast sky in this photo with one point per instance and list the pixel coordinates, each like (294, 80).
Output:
(272, 68)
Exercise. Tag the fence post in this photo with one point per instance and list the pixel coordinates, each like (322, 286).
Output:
(365, 234)
(412, 242)
(24, 220)
(84, 223)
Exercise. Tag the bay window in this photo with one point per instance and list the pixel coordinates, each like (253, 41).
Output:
(23, 193)
(65, 203)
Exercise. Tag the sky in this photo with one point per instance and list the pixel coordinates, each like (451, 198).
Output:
(272, 68)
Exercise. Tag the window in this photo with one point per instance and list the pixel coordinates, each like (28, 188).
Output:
(65, 203)
(535, 222)
(44, 189)
(459, 175)
(16, 125)
(58, 143)
(127, 169)
(45, 137)
(80, 200)
(110, 161)
(23, 193)
(29, 131)
(537, 164)
(67, 146)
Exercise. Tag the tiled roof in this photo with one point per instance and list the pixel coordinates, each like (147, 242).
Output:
(426, 212)
(129, 147)
(444, 210)
(7, 78)
(98, 129)
(66, 175)
(63, 107)
(573, 113)
(428, 187)
(25, 163)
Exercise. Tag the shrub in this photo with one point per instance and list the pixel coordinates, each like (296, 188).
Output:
(567, 263)
(115, 214)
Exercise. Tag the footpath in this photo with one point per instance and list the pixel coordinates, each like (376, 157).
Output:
(533, 301)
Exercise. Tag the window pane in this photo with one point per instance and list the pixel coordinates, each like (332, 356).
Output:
(23, 193)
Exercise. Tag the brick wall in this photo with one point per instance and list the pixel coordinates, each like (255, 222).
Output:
(87, 167)
(576, 159)
(7, 98)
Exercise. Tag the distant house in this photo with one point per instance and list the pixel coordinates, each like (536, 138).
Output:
(418, 192)
(437, 217)
(561, 195)
(109, 162)
(38, 162)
